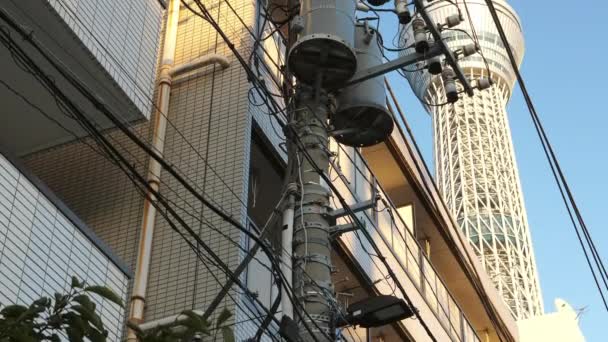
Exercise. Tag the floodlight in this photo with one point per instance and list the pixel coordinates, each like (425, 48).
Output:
(377, 311)
(377, 2)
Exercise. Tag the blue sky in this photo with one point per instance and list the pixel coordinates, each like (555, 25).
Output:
(562, 67)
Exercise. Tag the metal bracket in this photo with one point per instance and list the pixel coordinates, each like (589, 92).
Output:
(336, 231)
(311, 240)
(449, 56)
(363, 75)
(336, 214)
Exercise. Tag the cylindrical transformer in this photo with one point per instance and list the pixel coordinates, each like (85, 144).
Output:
(324, 48)
(362, 118)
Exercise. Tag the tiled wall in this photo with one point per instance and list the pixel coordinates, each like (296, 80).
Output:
(123, 37)
(41, 249)
(208, 140)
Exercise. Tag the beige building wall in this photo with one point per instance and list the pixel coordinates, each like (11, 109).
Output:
(96, 190)
(559, 326)
(209, 134)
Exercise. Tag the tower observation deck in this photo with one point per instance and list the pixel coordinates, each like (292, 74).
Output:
(475, 163)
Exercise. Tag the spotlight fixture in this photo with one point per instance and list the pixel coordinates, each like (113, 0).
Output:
(377, 311)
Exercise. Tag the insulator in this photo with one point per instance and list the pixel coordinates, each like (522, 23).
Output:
(453, 20)
(484, 83)
(434, 65)
(324, 48)
(469, 50)
(362, 118)
(377, 2)
(420, 39)
(403, 13)
(449, 84)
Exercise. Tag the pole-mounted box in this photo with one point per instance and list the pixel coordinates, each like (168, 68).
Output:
(362, 118)
(324, 47)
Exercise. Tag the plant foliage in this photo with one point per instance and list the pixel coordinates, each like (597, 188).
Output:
(72, 315)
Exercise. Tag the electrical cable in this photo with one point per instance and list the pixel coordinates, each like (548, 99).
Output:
(556, 169)
(103, 109)
(93, 132)
(51, 83)
(311, 161)
(478, 286)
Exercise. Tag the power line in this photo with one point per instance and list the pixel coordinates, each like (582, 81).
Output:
(101, 106)
(556, 169)
(103, 109)
(474, 278)
(300, 146)
(111, 152)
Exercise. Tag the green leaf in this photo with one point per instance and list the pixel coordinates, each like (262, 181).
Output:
(74, 335)
(85, 301)
(76, 283)
(60, 301)
(23, 336)
(106, 293)
(44, 301)
(222, 317)
(31, 313)
(76, 321)
(13, 311)
(55, 338)
(228, 334)
(88, 315)
(97, 336)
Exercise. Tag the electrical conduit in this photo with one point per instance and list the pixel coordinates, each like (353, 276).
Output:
(167, 72)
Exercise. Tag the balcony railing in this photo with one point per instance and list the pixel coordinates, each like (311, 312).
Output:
(389, 232)
(353, 178)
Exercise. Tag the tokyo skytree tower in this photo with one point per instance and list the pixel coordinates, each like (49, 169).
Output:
(474, 158)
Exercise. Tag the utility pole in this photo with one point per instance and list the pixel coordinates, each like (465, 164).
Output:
(311, 245)
(337, 63)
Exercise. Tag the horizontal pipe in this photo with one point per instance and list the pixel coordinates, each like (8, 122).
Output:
(169, 321)
(198, 63)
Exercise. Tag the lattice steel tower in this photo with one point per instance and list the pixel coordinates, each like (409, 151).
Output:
(474, 159)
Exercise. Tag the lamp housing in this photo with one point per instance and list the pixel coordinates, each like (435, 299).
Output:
(378, 311)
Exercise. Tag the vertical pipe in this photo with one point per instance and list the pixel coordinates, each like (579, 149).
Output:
(286, 254)
(140, 281)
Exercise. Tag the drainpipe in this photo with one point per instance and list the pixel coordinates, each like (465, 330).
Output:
(167, 72)
(199, 62)
(286, 251)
